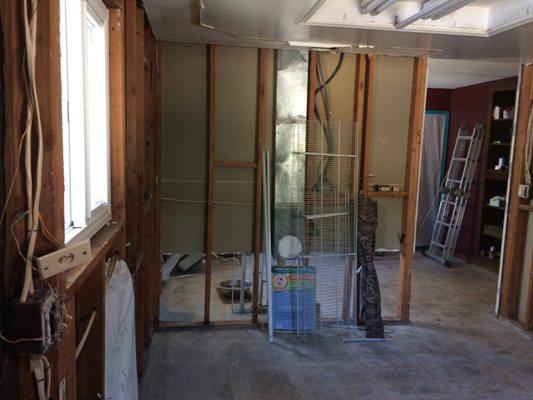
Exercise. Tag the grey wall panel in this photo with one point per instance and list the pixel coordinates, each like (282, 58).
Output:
(236, 103)
(390, 127)
(184, 146)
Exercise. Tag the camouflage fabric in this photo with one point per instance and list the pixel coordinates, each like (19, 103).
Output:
(367, 221)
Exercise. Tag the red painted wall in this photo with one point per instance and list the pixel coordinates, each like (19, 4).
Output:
(439, 99)
(467, 105)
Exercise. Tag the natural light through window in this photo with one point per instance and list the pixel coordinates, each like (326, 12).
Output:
(85, 101)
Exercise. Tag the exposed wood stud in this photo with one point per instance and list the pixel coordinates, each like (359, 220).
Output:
(513, 254)
(359, 104)
(367, 123)
(158, 172)
(211, 84)
(416, 122)
(235, 164)
(117, 99)
(260, 132)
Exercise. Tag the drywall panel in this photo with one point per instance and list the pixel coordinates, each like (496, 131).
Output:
(527, 269)
(184, 144)
(236, 110)
(341, 89)
(390, 126)
(183, 147)
(236, 103)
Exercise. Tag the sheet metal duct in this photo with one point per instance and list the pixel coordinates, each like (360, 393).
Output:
(291, 111)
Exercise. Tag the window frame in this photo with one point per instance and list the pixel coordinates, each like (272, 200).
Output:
(84, 221)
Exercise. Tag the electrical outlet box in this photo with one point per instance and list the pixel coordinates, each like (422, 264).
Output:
(64, 259)
(523, 191)
(38, 323)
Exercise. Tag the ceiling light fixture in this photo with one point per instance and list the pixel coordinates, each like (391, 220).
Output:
(433, 9)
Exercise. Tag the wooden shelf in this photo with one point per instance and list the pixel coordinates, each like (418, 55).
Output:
(503, 120)
(495, 207)
(493, 182)
(388, 194)
(490, 263)
(497, 175)
(494, 235)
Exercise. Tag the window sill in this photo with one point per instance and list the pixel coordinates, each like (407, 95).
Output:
(76, 235)
(101, 244)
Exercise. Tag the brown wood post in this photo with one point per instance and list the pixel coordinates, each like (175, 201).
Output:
(211, 82)
(367, 122)
(516, 228)
(260, 132)
(416, 122)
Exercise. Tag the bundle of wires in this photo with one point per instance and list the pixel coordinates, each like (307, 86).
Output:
(325, 123)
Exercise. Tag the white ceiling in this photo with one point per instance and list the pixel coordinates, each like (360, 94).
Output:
(451, 74)
(272, 23)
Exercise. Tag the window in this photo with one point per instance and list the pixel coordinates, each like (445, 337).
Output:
(85, 106)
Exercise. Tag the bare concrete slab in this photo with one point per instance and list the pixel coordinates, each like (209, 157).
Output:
(454, 348)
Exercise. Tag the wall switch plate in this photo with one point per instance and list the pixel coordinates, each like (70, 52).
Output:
(64, 259)
(523, 191)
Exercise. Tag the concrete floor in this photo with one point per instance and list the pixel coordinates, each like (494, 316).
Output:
(454, 348)
(182, 297)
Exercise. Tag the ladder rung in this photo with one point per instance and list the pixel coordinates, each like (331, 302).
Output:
(459, 159)
(438, 245)
(465, 137)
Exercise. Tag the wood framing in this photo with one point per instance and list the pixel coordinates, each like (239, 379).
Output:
(260, 133)
(367, 122)
(311, 85)
(211, 82)
(114, 4)
(48, 85)
(416, 122)
(117, 101)
(158, 169)
(528, 323)
(235, 164)
(151, 258)
(516, 227)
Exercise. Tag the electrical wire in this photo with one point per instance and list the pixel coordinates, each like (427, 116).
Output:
(80, 345)
(322, 88)
(33, 189)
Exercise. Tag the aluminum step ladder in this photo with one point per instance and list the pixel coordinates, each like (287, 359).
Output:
(454, 193)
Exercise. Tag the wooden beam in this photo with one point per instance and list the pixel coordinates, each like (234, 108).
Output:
(528, 323)
(114, 4)
(235, 164)
(516, 226)
(134, 29)
(158, 168)
(152, 257)
(388, 194)
(117, 101)
(367, 123)
(416, 122)
(211, 86)
(311, 85)
(260, 133)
